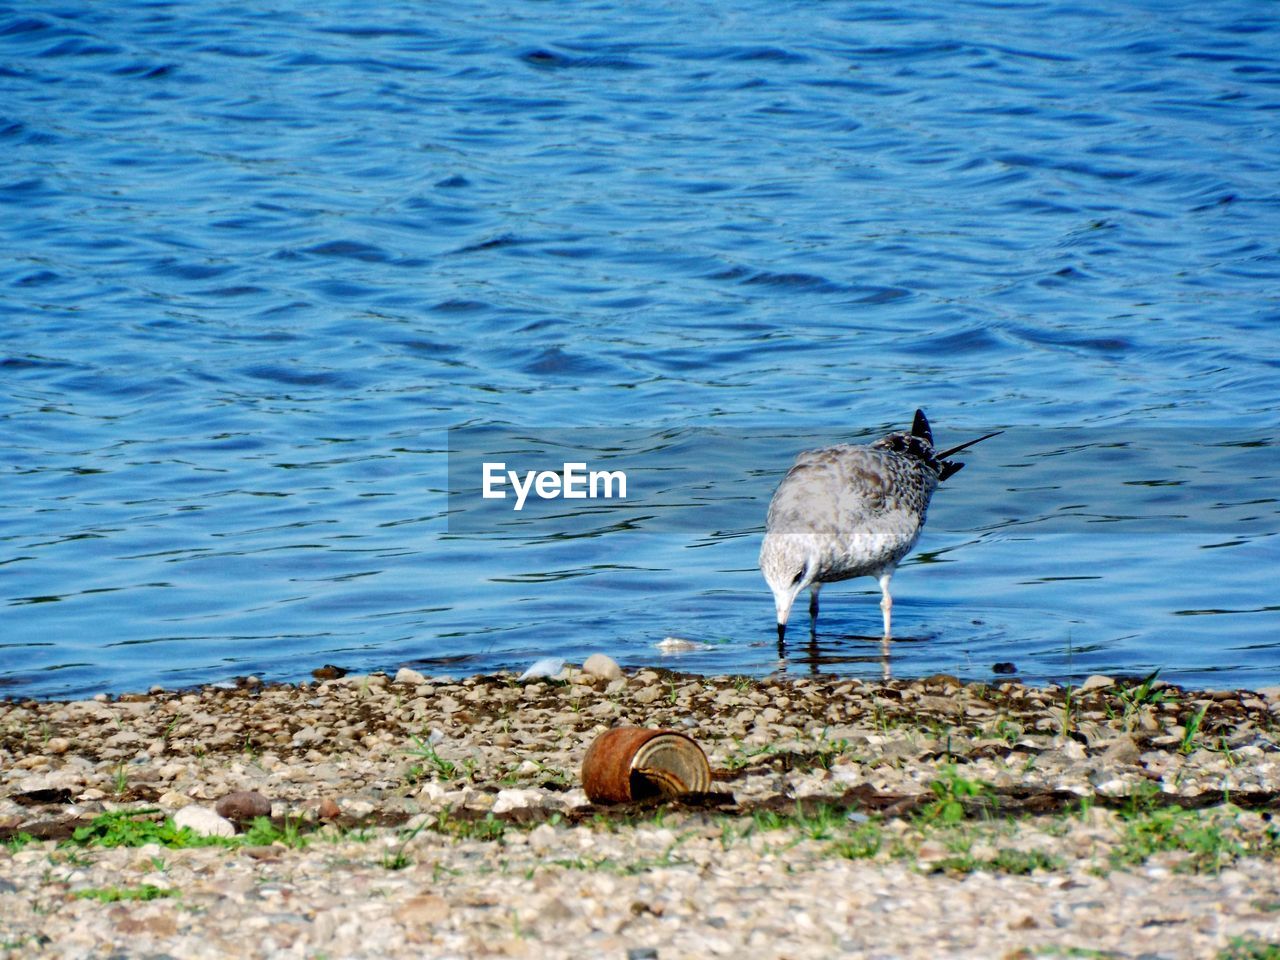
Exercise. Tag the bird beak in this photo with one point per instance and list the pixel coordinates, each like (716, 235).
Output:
(946, 453)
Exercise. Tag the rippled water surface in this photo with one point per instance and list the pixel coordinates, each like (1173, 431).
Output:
(258, 259)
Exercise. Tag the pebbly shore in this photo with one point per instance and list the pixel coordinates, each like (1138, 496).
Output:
(377, 816)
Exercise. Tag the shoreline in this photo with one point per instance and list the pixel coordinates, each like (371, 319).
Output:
(666, 662)
(410, 816)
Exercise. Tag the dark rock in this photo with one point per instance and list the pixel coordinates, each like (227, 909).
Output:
(243, 805)
(47, 795)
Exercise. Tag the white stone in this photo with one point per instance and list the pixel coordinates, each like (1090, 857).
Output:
(846, 774)
(515, 799)
(204, 821)
(1070, 749)
(1112, 786)
(546, 667)
(307, 736)
(410, 677)
(603, 666)
(432, 790)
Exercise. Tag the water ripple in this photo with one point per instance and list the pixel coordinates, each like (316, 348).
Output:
(258, 261)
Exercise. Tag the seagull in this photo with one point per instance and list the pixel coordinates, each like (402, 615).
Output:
(851, 511)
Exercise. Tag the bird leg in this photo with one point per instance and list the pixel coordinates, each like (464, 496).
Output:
(886, 601)
(813, 603)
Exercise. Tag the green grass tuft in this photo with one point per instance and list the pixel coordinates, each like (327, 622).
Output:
(1242, 948)
(18, 841)
(952, 793)
(124, 829)
(113, 894)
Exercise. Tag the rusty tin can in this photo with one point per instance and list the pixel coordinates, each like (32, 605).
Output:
(635, 763)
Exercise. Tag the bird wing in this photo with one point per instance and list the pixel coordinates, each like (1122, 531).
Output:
(831, 490)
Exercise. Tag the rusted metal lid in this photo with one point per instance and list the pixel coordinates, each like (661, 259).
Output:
(635, 763)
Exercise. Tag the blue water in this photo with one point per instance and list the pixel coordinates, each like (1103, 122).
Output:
(257, 259)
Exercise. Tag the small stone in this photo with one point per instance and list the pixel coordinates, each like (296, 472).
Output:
(307, 736)
(932, 851)
(603, 666)
(556, 911)
(1096, 682)
(365, 681)
(160, 926)
(515, 800)
(1067, 751)
(424, 909)
(944, 680)
(1111, 786)
(57, 745)
(1121, 750)
(542, 837)
(432, 791)
(243, 805)
(328, 672)
(172, 800)
(948, 706)
(410, 677)
(203, 821)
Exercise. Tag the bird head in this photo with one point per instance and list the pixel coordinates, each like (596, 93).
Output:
(786, 569)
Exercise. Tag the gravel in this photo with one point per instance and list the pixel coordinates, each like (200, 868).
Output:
(424, 817)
